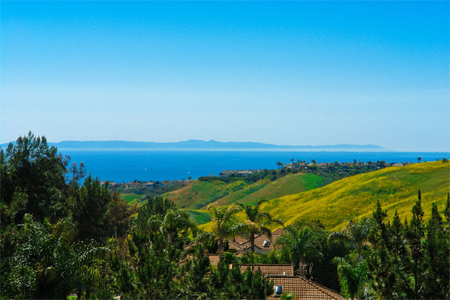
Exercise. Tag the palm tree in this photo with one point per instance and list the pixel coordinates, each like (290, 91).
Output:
(300, 242)
(355, 233)
(256, 222)
(224, 224)
(176, 221)
(279, 164)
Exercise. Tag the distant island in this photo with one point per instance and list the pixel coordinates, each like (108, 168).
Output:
(204, 145)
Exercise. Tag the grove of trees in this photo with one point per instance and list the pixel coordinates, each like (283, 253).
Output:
(64, 233)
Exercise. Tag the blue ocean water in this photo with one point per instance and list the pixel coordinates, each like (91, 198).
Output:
(144, 165)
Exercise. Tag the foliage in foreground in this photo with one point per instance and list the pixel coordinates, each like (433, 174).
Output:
(411, 259)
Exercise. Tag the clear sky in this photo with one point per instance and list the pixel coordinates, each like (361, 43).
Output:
(297, 73)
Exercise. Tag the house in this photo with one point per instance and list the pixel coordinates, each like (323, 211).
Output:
(243, 173)
(238, 173)
(302, 288)
(282, 275)
(226, 173)
(263, 244)
(284, 281)
(270, 269)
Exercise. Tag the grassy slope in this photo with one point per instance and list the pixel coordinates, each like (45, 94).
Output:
(395, 187)
(200, 193)
(131, 197)
(290, 184)
(199, 216)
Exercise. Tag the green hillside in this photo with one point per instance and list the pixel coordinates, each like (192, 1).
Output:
(199, 216)
(288, 185)
(395, 187)
(200, 193)
(131, 198)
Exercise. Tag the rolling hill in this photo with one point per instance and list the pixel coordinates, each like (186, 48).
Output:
(395, 187)
(287, 185)
(200, 193)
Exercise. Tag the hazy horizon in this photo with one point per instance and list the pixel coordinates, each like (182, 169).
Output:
(325, 148)
(282, 73)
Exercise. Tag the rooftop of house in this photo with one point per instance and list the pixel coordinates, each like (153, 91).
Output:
(262, 241)
(302, 288)
(270, 269)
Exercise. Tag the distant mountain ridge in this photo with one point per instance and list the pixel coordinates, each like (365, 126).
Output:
(197, 144)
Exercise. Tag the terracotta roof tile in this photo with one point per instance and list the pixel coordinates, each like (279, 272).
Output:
(303, 288)
(270, 269)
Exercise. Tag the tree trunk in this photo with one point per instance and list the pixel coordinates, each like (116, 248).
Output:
(220, 249)
(252, 242)
(80, 290)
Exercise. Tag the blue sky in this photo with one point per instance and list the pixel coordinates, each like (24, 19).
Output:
(298, 73)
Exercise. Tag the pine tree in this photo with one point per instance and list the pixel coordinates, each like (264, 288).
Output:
(411, 261)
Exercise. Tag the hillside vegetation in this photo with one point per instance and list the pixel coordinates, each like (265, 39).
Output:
(290, 184)
(200, 193)
(395, 187)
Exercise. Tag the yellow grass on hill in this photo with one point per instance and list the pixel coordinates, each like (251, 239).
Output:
(395, 187)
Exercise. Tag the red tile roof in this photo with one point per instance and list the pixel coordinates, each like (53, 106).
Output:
(270, 269)
(303, 288)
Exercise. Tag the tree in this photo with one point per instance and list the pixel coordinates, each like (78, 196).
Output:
(89, 205)
(224, 224)
(120, 213)
(353, 274)
(411, 260)
(257, 222)
(32, 167)
(300, 241)
(50, 263)
(355, 233)
(279, 164)
(419, 159)
(175, 225)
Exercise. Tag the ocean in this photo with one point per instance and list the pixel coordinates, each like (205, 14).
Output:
(128, 165)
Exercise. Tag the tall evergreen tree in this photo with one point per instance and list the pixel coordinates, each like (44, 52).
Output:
(411, 260)
(89, 205)
(30, 166)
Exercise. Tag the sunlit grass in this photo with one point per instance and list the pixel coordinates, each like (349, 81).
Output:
(395, 187)
(287, 185)
(199, 216)
(130, 197)
(200, 193)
